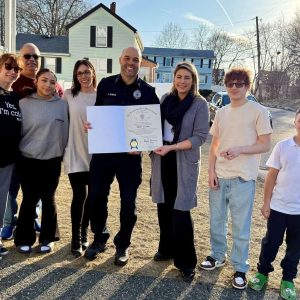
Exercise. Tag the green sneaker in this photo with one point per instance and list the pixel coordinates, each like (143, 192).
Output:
(287, 290)
(258, 281)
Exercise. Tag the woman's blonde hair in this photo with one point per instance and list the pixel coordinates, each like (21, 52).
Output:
(195, 79)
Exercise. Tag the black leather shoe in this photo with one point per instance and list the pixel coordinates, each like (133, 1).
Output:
(160, 257)
(121, 257)
(188, 275)
(94, 249)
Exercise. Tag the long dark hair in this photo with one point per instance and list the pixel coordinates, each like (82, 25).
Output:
(29, 91)
(76, 86)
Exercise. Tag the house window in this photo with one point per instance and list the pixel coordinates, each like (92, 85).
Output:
(197, 62)
(101, 36)
(168, 62)
(50, 63)
(159, 60)
(102, 65)
(206, 63)
(203, 79)
(166, 77)
(176, 60)
(188, 59)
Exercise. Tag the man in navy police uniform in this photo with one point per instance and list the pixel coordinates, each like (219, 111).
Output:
(125, 89)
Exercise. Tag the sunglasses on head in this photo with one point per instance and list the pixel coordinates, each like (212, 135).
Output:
(9, 67)
(28, 56)
(236, 84)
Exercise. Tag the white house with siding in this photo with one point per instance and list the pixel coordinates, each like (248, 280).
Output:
(99, 35)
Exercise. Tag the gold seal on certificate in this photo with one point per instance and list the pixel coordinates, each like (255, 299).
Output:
(124, 128)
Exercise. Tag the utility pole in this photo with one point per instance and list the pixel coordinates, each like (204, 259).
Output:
(258, 60)
(10, 25)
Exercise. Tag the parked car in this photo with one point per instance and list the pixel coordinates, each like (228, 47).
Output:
(221, 99)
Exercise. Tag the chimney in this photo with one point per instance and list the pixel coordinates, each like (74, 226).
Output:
(113, 7)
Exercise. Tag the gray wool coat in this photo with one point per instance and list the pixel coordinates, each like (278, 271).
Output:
(195, 127)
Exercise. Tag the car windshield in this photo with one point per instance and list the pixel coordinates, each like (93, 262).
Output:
(225, 100)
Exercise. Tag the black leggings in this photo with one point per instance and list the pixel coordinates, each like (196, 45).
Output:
(39, 180)
(79, 207)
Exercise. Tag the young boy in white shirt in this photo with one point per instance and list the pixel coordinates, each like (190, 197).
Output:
(282, 209)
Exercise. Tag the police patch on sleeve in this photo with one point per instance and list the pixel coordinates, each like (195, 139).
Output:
(137, 94)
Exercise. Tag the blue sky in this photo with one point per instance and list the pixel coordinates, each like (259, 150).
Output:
(149, 17)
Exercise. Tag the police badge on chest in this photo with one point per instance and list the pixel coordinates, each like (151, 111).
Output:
(137, 94)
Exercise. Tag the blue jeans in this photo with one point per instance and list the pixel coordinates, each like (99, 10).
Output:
(10, 217)
(237, 195)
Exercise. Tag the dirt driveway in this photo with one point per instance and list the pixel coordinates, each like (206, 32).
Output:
(60, 276)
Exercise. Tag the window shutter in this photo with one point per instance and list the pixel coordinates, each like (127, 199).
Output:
(209, 64)
(109, 65)
(109, 36)
(201, 63)
(164, 61)
(42, 62)
(58, 65)
(172, 61)
(93, 36)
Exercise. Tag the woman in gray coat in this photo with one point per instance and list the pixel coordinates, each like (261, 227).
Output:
(175, 168)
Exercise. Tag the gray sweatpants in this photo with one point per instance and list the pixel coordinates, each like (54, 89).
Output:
(5, 176)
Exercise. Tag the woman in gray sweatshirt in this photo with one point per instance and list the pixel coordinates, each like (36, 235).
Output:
(44, 138)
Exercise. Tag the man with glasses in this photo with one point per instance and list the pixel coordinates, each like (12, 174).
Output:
(30, 62)
(240, 132)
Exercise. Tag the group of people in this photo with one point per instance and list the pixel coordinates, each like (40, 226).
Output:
(41, 130)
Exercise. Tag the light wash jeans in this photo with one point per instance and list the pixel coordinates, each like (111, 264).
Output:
(237, 195)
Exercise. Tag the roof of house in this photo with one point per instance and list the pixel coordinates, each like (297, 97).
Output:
(178, 52)
(105, 8)
(46, 43)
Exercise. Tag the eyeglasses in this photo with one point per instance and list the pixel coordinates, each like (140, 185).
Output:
(28, 56)
(86, 72)
(236, 84)
(9, 67)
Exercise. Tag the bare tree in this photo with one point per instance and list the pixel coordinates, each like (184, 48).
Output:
(48, 17)
(172, 36)
(200, 36)
(293, 48)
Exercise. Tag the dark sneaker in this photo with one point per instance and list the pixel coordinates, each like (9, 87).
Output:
(258, 281)
(161, 257)
(46, 247)
(239, 280)
(94, 249)
(210, 263)
(24, 249)
(188, 275)
(7, 232)
(3, 250)
(121, 257)
(76, 248)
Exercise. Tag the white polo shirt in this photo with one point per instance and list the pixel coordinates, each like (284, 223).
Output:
(285, 157)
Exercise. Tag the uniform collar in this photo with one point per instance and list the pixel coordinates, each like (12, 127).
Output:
(137, 81)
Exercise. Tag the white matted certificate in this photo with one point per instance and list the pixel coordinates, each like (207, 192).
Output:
(124, 128)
